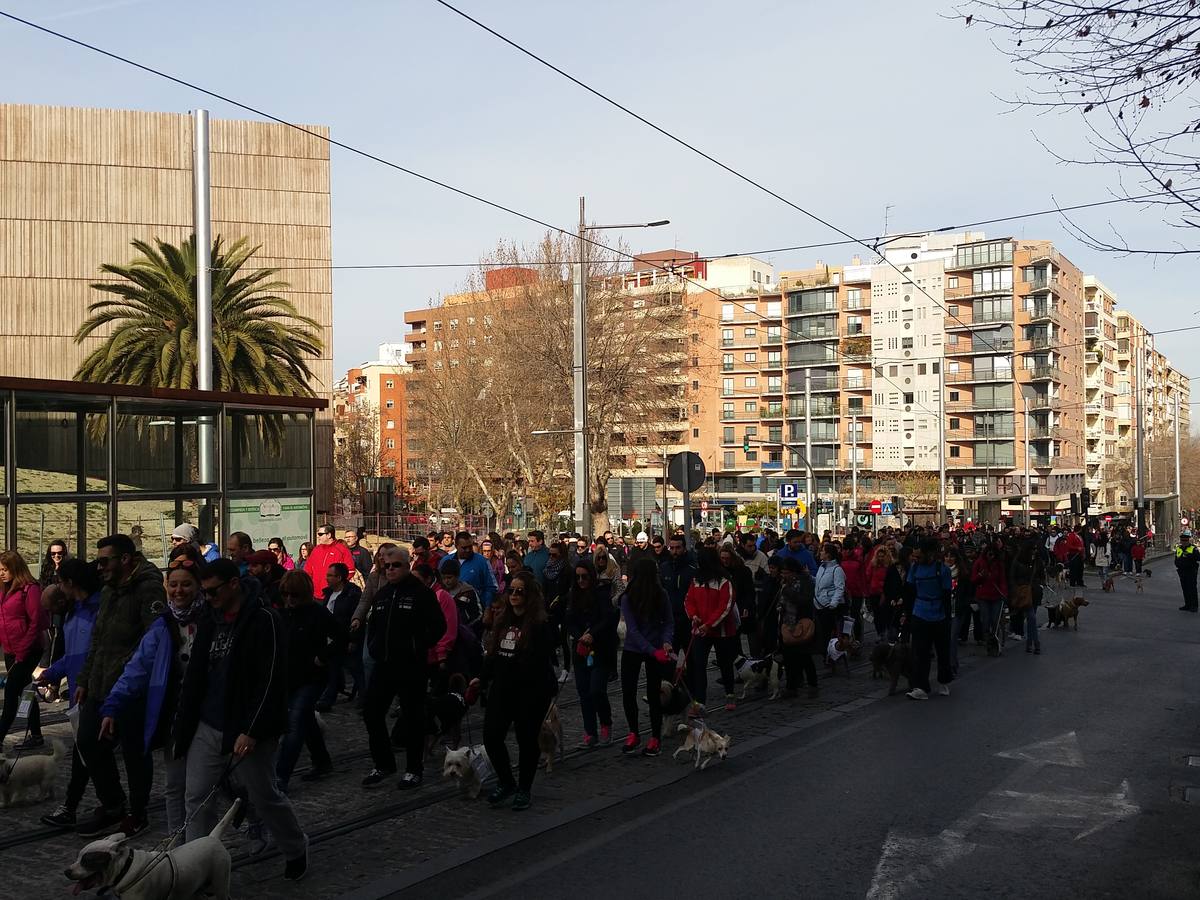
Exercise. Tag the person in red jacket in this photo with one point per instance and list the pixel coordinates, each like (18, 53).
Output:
(1138, 552)
(874, 571)
(991, 591)
(853, 568)
(328, 550)
(709, 605)
(22, 621)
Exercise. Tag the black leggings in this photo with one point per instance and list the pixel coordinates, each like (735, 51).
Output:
(726, 648)
(20, 674)
(79, 780)
(525, 716)
(631, 667)
(798, 664)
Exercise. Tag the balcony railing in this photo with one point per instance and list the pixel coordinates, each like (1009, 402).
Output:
(982, 434)
(966, 317)
(1041, 460)
(1043, 432)
(982, 403)
(1045, 373)
(985, 374)
(772, 340)
(1044, 312)
(993, 345)
(739, 416)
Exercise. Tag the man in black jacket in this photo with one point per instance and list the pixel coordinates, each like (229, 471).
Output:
(341, 599)
(234, 701)
(404, 622)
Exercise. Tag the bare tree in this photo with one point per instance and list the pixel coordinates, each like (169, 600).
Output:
(501, 369)
(1130, 68)
(918, 489)
(357, 452)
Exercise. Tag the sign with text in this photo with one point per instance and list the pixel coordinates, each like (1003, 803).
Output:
(286, 518)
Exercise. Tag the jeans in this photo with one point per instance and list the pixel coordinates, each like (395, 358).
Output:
(79, 780)
(1031, 628)
(351, 662)
(175, 790)
(368, 667)
(409, 683)
(255, 773)
(525, 716)
(698, 665)
(591, 683)
(929, 637)
(302, 730)
(1187, 581)
(20, 674)
(989, 617)
(101, 761)
(631, 667)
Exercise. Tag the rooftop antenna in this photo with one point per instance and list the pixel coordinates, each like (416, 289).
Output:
(886, 210)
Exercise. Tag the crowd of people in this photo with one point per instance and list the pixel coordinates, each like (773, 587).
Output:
(221, 663)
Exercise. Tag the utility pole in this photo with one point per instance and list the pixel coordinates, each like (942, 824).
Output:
(942, 515)
(853, 465)
(1025, 402)
(1139, 450)
(1178, 478)
(202, 229)
(666, 528)
(809, 487)
(583, 523)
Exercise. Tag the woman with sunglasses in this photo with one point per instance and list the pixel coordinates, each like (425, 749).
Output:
(311, 634)
(56, 554)
(145, 694)
(22, 624)
(277, 548)
(591, 623)
(518, 678)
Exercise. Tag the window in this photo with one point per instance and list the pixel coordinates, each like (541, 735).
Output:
(726, 386)
(750, 406)
(751, 381)
(726, 312)
(921, 367)
(390, 404)
(391, 423)
(751, 332)
(952, 282)
(728, 459)
(389, 384)
(955, 452)
(906, 343)
(908, 397)
(727, 435)
(695, 432)
(774, 309)
(391, 443)
(726, 337)
(751, 357)
(954, 424)
(953, 396)
(752, 456)
(893, 371)
(726, 362)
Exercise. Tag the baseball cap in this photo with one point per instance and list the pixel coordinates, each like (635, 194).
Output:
(1185, 533)
(187, 532)
(261, 558)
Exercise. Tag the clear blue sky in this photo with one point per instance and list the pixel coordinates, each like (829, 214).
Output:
(843, 108)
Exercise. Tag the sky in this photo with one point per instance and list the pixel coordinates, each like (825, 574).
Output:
(843, 108)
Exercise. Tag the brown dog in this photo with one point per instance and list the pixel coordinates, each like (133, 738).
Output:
(1068, 609)
(550, 738)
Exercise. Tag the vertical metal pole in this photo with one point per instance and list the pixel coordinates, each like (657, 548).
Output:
(1178, 479)
(853, 466)
(809, 487)
(1025, 401)
(942, 513)
(579, 364)
(666, 528)
(202, 227)
(1139, 450)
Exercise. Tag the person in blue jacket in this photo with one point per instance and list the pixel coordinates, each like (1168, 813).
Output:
(793, 548)
(153, 675)
(473, 568)
(78, 590)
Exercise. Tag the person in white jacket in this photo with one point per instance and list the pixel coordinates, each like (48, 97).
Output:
(829, 592)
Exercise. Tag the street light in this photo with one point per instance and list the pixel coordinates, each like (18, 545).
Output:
(579, 364)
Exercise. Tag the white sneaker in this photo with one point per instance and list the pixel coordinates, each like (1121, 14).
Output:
(563, 676)
(917, 694)
(943, 690)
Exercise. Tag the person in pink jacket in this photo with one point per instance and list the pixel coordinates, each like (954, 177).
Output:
(22, 624)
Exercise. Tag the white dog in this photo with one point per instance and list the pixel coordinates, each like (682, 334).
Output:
(195, 868)
(706, 743)
(31, 776)
(754, 674)
(470, 767)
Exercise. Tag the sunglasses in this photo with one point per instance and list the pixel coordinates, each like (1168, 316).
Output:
(178, 540)
(324, 534)
(57, 553)
(183, 563)
(213, 591)
(394, 565)
(517, 592)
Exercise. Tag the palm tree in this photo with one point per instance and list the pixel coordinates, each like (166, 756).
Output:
(261, 344)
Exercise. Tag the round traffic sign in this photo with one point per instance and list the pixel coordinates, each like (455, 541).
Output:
(704, 508)
(686, 471)
(876, 506)
(1184, 521)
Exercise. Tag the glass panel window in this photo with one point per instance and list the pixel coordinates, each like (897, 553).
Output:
(267, 450)
(158, 446)
(80, 524)
(62, 445)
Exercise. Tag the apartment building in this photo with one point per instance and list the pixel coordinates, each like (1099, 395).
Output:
(381, 388)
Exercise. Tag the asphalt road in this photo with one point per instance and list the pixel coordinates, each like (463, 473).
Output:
(1059, 775)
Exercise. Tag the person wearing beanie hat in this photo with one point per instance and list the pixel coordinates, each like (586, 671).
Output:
(188, 534)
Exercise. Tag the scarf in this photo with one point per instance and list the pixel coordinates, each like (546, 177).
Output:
(554, 568)
(187, 616)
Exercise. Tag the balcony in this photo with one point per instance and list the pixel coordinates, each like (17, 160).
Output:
(773, 388)
(981, 256)
(823, 384)
(1044, 312)
(995, 345)
(1091, 331)
(773, 362)
(983, 434)
(739, 416)
(812, 334)
(857, 437)
(1042, 283)
(854, 305)
(772, 340)
(1094, 458)
(970, 291)
(984, 403)
(858, 384)
(1042, 401)
(1043, 432)
(984, 374)
(1039, 341)
(1093, 357)
(1045, 373)
(772, 411)
(771, 465)
(1093, 409)
(965, 317)
(1041, 460)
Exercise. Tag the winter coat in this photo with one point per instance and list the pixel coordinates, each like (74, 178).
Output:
(676, 577)
(363, 561)
(535, 561)
(404, 624)
(255, 701)
(152, 673)
(476, 571)
(127, 610)
(22, 621)
(829, 586)
(515, 675)
(853, 569)
(647, 637)
(77, 637)
(599, 619)
(712, 604)
(312, 634)
(796, 603)
(343, 608)
(989, 579)
(320, 559)
(441, 651)
(872, 578)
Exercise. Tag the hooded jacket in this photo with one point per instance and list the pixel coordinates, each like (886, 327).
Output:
(22, 620)
(405, 622)
(127, 610)
(321, 557)
(476, 571)
(255, 695)
(152, 672)
(77, 637)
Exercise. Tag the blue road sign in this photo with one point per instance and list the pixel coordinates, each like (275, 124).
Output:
(789, 492)
(888, 509)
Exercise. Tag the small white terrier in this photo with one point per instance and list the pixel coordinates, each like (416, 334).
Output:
(470, 767)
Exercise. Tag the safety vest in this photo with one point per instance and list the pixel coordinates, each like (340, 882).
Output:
(1189, 550)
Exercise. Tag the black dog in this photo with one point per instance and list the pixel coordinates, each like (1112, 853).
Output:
(899, 662)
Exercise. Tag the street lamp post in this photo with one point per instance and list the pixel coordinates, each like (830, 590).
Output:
(579, 364)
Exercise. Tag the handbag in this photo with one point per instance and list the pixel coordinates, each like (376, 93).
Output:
(1022, 596)
(800, 633)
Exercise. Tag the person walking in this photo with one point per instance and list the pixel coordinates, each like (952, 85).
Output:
(78, 589)
(930, 619)
(1187, 561)
(22, 624)
(328, 551)
(312, 635)
(519, 684)
(132, 598)
(991, 590)
(233, 711)
(537, 555)
(649, 632)
(152, 678)
(1026, 579)
(341, 597)
(591, 625)
(797, 619)
(279, 550)
(360, 554)
(404, 622)
(473, 568)
(556, 581)
(829, 588)
(710, 607)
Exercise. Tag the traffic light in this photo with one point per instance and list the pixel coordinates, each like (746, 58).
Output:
(746, 444)
(1085, 500)
(1074, 504)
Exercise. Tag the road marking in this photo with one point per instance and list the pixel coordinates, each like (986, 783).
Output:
(1058, 751)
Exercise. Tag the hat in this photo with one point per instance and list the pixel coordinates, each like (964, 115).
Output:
(261, 558)
(1185, 533)
(642, 536)
(188, 532)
